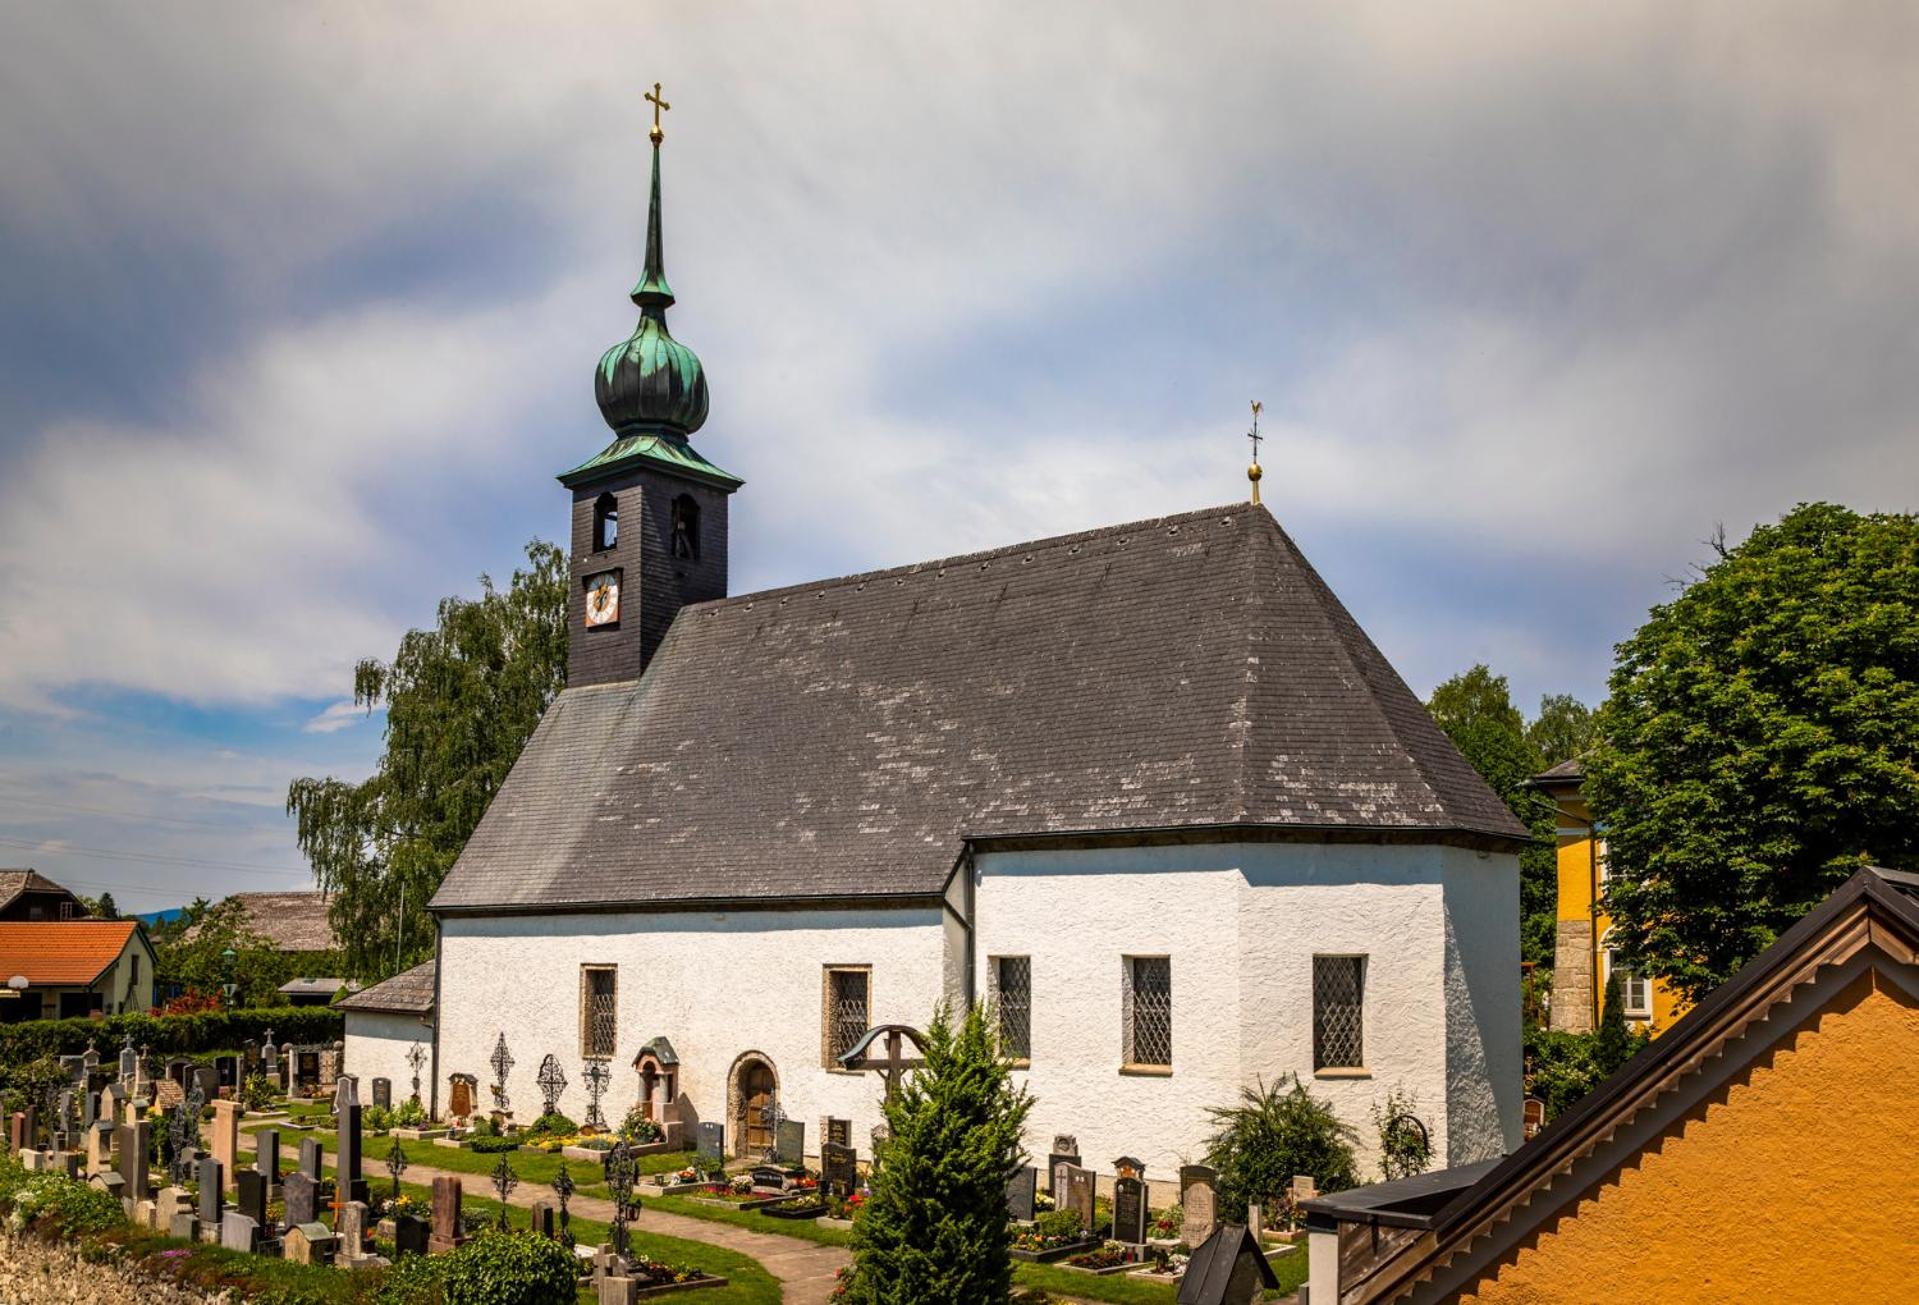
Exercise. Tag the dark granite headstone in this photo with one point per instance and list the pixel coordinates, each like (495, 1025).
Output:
(1020, 1193)
(209, 1081)
(227, 1069)
(213, 1202)
(310, 1153)
(769, 1176)
(346, 1152)
(302, 1197)
(409, 1235)
(540, 1218)
(789, 1141)
(839, 1168)
(1129, 1211)
(383, 1093)
(266, 1155)
(1056, 1163)
(711, 1140)
(252, 1198)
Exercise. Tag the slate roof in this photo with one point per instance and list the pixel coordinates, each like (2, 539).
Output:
(1569, 771)
(15, 882)
(52, 952)
(844, 738)
(291, 922)
(407, 993)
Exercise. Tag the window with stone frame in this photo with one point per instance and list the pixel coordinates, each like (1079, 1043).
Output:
(847, 1010)
(599, 996)
(1339, 1012)
(1010, 984)
(1146, 999)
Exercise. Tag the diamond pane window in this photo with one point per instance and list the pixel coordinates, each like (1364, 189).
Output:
(1339, 988)
(1148, 1003)
(846, 1012)
(1012, 978)
(598, 993)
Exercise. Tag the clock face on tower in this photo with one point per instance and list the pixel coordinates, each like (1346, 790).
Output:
(602, 599)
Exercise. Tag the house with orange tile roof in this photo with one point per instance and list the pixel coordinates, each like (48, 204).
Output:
(58, 969)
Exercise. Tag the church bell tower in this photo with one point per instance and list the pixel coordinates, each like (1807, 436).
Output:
(649, 513)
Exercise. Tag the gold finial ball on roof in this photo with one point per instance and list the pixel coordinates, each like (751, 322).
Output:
(1253, 473)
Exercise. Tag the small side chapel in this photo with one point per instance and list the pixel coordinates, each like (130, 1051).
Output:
(1149, 788)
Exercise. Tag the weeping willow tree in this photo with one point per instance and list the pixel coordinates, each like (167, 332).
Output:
(461, 700)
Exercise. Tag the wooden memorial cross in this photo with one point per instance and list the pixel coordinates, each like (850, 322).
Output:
(894, 1063)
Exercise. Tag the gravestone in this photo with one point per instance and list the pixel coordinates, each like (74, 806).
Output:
(839, 1168)
(209, 1081)
(1305, 1188)
(711, 1141)
(100, 1146)
(227, 1068)
(184, 1226)
(309, 1243)
(266, 1155)
(1065, 1152)
(1129, 1211)
(446, 1215)
(769, 1176)
(213, 1199)
(129, 1063)
(17, 1138)
(409, 1235)
(1532, 1117)
(789, 1141)
(226, 1134)
(1020, 1194)
(346, 1152)
(310, 1153)
(177, 1070)
(460, 1095)
(1198, 1203)
(132, 1144)
(540, 1219)
(302, 1198)
(239, 1233)
(251, 1200)
(383, 1093)
(352, 1232)
(1079, 1184)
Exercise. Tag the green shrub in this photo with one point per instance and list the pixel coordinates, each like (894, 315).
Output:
(1563, 1067)
(554, 1123)
(65, 1205)
(488, 1145)
(413, 1280)
(1059, 1223)
(168, 1035)
(483, 1126)
(509, 1269)
(410, 1114)
(636, 1127)
(258, 1092)
(1272, 1134)
(376, 1119)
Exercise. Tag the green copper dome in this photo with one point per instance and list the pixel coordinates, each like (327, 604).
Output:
(650, 382)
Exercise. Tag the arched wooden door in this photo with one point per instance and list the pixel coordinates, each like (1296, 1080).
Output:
(757, 1090)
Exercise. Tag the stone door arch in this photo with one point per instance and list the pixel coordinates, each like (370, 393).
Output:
(752, 1086)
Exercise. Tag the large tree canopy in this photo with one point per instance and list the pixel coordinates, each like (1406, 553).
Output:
(1760, 741)
(1476, 710)
(461, 700)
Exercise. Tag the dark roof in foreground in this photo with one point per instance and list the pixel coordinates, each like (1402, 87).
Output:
(408, 993)
(1873, 917)
(844, 738)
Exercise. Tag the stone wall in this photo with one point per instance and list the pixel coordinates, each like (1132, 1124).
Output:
(1572, 1010)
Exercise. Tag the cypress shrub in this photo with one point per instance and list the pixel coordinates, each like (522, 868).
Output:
(935, 1226)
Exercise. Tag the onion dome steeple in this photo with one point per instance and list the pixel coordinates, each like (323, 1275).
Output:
(650, 383)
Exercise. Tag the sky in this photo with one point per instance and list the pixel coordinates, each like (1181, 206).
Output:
(300, 306)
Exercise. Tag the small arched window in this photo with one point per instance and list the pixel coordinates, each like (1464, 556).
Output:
(686, 528)
(606, 522)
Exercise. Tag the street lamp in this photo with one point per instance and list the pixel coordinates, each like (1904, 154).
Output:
(229, 956)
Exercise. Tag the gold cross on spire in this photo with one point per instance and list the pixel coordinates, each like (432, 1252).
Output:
(1253, 472)
(653, 98)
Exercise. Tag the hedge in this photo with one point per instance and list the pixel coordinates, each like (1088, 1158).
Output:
(169, 1034)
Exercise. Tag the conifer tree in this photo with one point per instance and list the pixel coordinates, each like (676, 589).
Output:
(1614, 1045)
(935, 1226)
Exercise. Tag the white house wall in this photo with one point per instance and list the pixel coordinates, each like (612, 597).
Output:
(376, 1047)
(716, 985)
(1242, 923)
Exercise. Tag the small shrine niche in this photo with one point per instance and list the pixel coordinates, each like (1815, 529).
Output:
(659, 1070)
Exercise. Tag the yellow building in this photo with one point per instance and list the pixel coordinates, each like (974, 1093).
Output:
(1582, 962)
(1763, 1150)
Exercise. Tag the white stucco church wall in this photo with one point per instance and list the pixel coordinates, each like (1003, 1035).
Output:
(377, 1043)
(717, 985)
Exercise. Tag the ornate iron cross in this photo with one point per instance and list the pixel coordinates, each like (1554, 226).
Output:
(502, 1062)
(597, 1078)
(504, 1181)
(416, 1057)
(552, 1081)
(563, 1188)
(184, 1132)
(621, 1170)
(396, 1165)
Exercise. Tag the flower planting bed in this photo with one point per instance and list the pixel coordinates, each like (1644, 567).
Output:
(1048, 1254)
(419, 1134)
(794, 1207)
(1113, 1257)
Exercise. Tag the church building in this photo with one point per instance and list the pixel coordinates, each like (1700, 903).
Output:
(1148, 788)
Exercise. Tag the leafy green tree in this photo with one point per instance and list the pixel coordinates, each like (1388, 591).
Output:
(194, 956)
(935, 1225)
(1562, 730)
(1761, 741)
(1273, 1133)
(1476, 710)
(461, 700)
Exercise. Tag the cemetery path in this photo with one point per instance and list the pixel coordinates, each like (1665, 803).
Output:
(806, 1271)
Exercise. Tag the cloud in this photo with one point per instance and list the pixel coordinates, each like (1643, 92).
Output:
(338, 716)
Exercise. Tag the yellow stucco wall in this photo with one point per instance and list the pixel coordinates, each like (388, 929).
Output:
(1576, 874)
(1797, 1181)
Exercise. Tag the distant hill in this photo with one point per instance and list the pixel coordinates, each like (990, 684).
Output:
(151, 918)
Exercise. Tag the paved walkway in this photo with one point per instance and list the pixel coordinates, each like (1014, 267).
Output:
(806, 1271)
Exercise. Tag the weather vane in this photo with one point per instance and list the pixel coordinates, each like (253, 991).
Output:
(653, 98)
(1253, 472)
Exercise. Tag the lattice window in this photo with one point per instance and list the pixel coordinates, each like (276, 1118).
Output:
(1339, 1012)
(598, 1010)
(847, 1011)
(1148, 1010)
(1012, 992)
